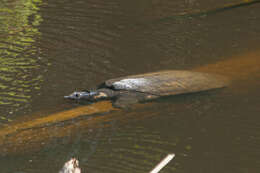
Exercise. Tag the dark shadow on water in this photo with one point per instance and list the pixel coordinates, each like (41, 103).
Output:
(211, 11)
(189, 96)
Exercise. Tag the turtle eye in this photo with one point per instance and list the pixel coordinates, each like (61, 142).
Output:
(76, 94)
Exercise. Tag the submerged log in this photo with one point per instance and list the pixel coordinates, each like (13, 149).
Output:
(36, 133)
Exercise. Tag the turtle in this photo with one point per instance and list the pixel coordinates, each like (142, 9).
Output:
(131, 89)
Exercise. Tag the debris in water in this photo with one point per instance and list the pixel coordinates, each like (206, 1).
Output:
(71, 166)
(163, 163)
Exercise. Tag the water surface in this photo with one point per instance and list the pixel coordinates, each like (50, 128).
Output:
(51, 48)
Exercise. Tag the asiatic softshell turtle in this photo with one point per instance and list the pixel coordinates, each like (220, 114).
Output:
(134, 88)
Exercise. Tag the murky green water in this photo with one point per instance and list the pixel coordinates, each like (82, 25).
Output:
(51, 48)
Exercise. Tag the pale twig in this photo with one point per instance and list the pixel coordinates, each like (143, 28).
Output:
(163, 163)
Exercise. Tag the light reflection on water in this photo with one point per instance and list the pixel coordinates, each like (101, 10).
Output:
(87, 42)
(19, 57)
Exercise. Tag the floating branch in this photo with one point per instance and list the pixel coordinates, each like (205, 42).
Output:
(163, 163)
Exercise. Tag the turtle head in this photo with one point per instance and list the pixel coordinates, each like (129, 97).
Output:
(87, 95)
(82, 95)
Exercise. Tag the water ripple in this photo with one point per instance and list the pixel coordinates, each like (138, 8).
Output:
(18, 55)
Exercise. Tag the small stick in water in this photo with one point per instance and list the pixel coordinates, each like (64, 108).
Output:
(71, 166)
(163, 163)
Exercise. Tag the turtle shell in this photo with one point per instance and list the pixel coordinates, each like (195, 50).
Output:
(169, 82)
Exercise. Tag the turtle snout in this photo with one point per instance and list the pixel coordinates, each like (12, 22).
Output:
(74, 96)
(79, 95)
